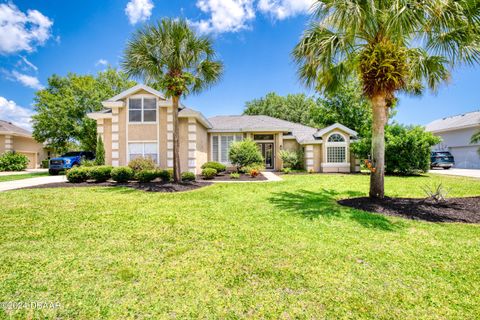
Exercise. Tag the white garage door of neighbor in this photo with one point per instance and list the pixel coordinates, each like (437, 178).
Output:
(466, 157)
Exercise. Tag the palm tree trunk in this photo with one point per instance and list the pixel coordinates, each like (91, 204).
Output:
(379, 116)
(176, 141)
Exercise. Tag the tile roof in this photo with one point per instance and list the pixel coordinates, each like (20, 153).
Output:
(9, 127)
(245, 123)
(455, 122)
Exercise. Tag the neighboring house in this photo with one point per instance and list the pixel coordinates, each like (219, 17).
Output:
(14, 138)
(456, 133)
(139, 123)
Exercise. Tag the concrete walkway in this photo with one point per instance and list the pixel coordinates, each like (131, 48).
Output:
(271, 177)
(12, 173)
(17, 184)
(473, 173)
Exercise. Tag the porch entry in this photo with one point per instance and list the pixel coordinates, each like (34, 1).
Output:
(267, 150)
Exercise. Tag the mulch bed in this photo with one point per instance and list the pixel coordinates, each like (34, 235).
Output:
(226, 177)
(466, 210)
(149, 186)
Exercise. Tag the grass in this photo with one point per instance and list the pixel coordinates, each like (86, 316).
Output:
(22, 176)
(271, 250)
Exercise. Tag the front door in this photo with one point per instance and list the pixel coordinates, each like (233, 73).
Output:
(267, 151)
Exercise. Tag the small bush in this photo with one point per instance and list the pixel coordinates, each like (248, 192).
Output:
(140, 164)
(215, 165)
(287, 170)
(100, 173)
(245, 153)
(188, 176)
(254, 173)
(209, 173)
(100, 152)
(122, 174)
(12, 161)
(166, 175)
(234, 175)
(78, 174)
(290, 159)
(45, 164)
(146, 175)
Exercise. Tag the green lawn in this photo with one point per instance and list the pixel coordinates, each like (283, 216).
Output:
(271, 250)
(22, 176)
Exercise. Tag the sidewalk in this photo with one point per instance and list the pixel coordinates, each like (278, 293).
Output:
(17, 184)
(12, 173)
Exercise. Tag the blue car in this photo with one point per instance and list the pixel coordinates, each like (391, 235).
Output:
(68, 161)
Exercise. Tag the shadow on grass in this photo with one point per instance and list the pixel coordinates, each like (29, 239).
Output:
(324, 204)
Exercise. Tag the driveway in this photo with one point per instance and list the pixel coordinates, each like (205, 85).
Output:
(473, 173)
(17, 184)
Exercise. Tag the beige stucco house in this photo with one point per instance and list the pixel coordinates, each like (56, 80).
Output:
(14, 138)
(139, 123)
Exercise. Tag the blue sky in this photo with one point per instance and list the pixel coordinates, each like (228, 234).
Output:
(254, 39)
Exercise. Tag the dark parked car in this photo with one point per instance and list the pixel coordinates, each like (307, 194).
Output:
(69, 160)
(441, 159)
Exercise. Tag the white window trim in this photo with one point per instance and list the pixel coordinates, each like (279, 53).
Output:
(219, 151)
(143, 149)
(142, 96)
(336, 144)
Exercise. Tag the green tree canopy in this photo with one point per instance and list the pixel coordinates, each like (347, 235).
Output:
(347, 106)
(62, 107)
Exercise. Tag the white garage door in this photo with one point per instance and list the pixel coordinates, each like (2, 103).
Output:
(466, 157)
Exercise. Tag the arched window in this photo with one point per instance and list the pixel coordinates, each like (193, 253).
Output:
(336, 137)
(336, 148)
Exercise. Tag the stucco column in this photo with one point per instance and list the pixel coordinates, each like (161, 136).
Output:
(170, 137)
(115, 138)
(8, 143)
(100, 128)
(192, 145)
(309, 157)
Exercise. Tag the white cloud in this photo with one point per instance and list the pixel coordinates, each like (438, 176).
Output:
(26, 80)
(225, 15)
(282, 9)
(138, 10)
(10, 111)
(101, 62)
(20, 31)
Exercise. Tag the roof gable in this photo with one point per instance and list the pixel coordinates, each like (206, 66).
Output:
(134, 89)
(8, 127)
(334, 126)
(466, 120)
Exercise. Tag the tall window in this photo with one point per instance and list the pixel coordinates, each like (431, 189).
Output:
(143, 150)
(142, 110)
(336, 148)
(221, 146)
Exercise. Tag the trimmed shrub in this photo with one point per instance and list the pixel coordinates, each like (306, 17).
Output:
(215, 165)
(100, 173)
(407, 149)
(209, 173)
(188, 176)
(146, 175)
(166, 175)
(234, 175)
(122, 174)
(291, 159)
(12, 161)
(244, 153)
(139, 164)
(78, 174)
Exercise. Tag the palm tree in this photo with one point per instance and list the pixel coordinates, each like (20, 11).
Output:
(476, 139)
(391, 46)
(170, 56)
